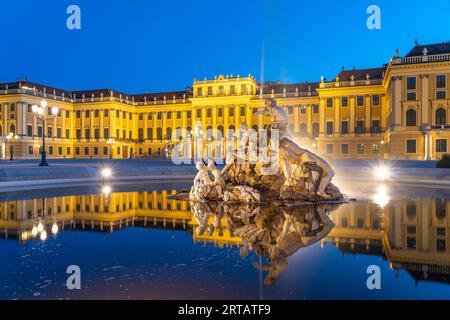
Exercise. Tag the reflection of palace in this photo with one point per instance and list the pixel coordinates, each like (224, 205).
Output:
(398, 110)
(412, 235)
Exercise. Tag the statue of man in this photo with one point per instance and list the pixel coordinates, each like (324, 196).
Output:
(218, 184)
(291, 153)
(278, 114)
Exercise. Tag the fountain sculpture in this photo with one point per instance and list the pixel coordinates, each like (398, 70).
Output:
(291, 175)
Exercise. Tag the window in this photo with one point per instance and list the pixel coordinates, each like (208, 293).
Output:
(77, 151)
(209, 112)
(220, 112)
(376, 100)
(97, 133)
(141, 116)
(344, 102)
(78, 114)
(86, 151)
(169, 115)
(221, 91)
(441, 208)
(87, 133)
(68, 151)
(315, 108)
(290, 110)
(49, 132)
(178, 114)
(360, 101)
(106, 133)
(60, 151)
(150, 116)
(441, 95)
(329, 102)
(315, 130)
(375, 148)
(231, 112)
(411, 243)
(199, 113)
(96, 151)
(411, 83)
(30, 150)
(344, 127)
(440, 245)
(87, 113)
(59, 133)
(67, 114)
(330, 127)
(50, 150)
(243, 88)
(344, 148)
(411, 96)
(96, 113)
(411, 116)
(232, 89)
(360, 148)
(188, 114)
(441, 82)
(210, 91)
(303, 110)
(330, 148)
(78, 133)
(159, 115)
(411, 209)
(411, 146)
(29, 131)
(242, 111)
(441, 145)
(199, 92)
(106, 113)
(39, 131)
(67, 133)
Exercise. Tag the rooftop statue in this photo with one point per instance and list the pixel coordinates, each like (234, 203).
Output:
(267, 170)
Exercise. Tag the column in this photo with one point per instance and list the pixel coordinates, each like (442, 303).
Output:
(352, 114)
(322, 117)
(367, 117)
(296, 119)
(309, 120)
(337, 118)
(425, 116)
(396, 98)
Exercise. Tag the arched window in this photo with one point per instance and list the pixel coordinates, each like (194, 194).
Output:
(411, 118)
(441, 117)
(303, 129)
(209, 132)
(169, 134)
(231, 131)
(149, 133)
(315, 130)
(159, 134)
(12, 129)
(220, 132)
(179, 133)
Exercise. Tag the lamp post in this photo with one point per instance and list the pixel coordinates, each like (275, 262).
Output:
(41, 113)
(111, 144)
(9, 139)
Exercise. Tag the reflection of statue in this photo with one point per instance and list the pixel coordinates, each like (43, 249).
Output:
(268, 230)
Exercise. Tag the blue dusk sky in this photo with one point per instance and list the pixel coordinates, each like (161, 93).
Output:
(140, 46)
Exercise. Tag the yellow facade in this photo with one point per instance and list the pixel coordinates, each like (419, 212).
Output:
(398, 111)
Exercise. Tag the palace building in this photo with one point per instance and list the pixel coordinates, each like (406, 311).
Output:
(397, 111)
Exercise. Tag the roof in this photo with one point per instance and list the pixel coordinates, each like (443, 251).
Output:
(437, 48)
(361, 74)
(279, 87)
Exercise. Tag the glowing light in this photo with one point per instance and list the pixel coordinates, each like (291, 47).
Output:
(43, 235)
(383, 172)
(34, 231)
(106, 172)
(381, 198)
(40, 111)
(35, 108)
(55, 111)
(40, 227)
(55, 228)
(44, 104)
(106, 190)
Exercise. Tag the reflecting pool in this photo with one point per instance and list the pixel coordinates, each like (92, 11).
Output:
(134, 243)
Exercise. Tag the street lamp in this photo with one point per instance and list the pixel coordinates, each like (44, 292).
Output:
(9, 139)
(40, 113)
(111, 144)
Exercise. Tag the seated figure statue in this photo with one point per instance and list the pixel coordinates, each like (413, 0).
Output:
(218, 185)
(202, 183)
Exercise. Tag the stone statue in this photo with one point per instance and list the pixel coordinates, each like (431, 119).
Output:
(297, 174)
